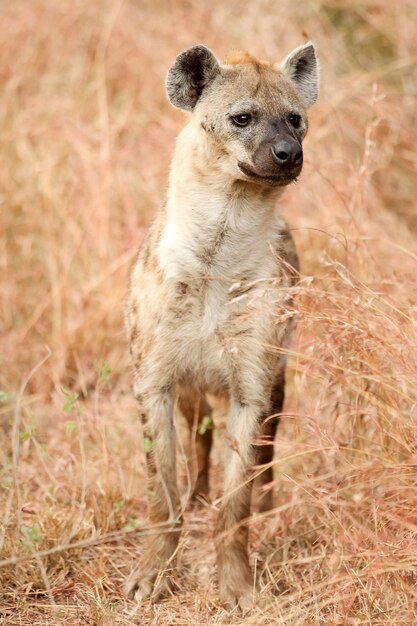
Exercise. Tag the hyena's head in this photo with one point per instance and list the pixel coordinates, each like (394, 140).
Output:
(252, 113)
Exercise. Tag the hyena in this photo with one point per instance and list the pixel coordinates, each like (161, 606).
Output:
(208, 303)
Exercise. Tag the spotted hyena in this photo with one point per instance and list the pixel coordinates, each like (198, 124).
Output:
(207, 310)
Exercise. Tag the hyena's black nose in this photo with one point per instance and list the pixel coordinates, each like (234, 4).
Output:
(287, 153)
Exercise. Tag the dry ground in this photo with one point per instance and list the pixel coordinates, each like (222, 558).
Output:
(86, 135)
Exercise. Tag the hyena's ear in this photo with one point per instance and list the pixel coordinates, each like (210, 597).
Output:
(190, 73)
(302, 67)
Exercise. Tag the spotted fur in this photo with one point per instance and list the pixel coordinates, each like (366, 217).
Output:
(209, 295)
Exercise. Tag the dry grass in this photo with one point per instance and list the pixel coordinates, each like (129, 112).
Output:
(86, 137)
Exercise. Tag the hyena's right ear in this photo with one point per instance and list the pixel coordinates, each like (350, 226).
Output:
(190, 73)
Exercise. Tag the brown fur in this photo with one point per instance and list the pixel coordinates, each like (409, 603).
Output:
(241, 57)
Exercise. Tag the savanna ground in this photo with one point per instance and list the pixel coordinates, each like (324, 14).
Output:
(86, 136)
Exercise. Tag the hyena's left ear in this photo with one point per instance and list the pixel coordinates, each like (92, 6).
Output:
(190, 73)
(302, 67)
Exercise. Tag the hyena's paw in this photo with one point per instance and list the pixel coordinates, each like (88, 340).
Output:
(236, 585)
(233, 597)
(146, 584)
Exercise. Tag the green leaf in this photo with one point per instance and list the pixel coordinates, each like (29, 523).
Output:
(70, 426)
(105, 372)
(118, 505)
(32, 535)
(131, 524)
(147, 444)
(5, 396)
(206, 424)
(70, 399)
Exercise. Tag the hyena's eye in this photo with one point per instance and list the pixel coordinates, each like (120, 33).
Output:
(241, 120)
(294, 120)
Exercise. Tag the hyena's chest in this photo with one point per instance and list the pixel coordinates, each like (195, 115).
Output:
(214, 325)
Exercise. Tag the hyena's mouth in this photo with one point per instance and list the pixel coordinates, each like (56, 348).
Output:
(277, 179)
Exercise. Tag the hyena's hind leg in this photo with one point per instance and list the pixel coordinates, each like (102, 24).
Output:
(198, 414)
(262, 495)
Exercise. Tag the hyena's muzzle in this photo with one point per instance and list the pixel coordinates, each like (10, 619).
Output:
(278, 158)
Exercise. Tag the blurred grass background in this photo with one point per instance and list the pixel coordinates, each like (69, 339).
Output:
(86, 135)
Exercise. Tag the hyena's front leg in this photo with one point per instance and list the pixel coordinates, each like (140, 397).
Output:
(163, 496)
(236, 583)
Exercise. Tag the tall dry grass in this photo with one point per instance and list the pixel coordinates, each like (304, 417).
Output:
(86, 136)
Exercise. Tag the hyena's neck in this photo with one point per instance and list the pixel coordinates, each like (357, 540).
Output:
(211, 218)
(199, 184)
